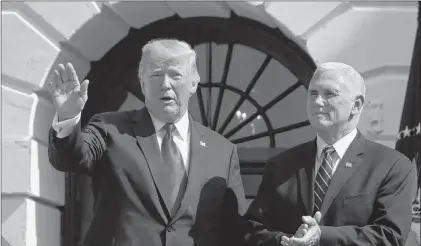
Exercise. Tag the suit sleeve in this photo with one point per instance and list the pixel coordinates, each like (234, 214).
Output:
(79, 151)
(391, 218)
(235, 183)
(234, 205)
(259, 216)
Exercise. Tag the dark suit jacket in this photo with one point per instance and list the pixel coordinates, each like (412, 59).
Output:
(368, 201)
(120, 151)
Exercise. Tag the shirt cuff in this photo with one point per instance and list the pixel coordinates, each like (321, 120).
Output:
(65, 128)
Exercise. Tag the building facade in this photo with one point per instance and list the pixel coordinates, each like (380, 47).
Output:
(255, 61)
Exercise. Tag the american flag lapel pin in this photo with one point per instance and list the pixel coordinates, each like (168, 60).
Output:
(203, 143)
(348, 164)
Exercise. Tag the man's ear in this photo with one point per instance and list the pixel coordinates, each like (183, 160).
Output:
(142, 85)
(194, 86)
(358, 104)
(195, 80)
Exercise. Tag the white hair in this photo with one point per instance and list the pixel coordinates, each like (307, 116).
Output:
(345, 72)
(172, 48)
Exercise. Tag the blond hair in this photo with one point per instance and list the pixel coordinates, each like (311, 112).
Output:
(173, 48)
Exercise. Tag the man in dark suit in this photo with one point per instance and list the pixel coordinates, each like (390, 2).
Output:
(162, 178)
(358, 191)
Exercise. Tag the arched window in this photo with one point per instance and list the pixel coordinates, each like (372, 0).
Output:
(249, 73)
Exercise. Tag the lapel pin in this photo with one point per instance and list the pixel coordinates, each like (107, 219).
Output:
(203, 143)
(348, 164)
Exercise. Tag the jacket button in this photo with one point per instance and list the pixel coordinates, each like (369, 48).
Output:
(170, 228)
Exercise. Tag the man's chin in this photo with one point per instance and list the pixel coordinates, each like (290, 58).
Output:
(171, 110)
(171, 113)
(320, 124)
(166, 114)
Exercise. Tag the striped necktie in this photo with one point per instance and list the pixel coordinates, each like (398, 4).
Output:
(323, 177)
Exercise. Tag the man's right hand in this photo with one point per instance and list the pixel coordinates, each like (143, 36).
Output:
(68, 94)
(308, 234)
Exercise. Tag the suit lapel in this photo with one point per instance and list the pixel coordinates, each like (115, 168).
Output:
(306, 176)
(197, 168)
(346, 168)
(146, 138)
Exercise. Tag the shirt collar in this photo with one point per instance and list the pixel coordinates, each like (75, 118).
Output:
(340, 146)
(182, 125)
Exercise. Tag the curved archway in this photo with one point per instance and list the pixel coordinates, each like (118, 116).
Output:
(118, 68)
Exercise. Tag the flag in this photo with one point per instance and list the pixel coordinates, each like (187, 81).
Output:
(409, 136)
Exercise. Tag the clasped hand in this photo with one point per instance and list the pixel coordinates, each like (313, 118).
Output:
(307, 234)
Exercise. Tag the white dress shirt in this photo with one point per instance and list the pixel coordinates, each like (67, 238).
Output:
(181, 135)
(340, 148)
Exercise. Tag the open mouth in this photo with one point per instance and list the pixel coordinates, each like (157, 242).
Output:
(166, 99)
(320, 114)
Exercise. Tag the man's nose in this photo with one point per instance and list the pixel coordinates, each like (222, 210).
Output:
(318, 100)
(166, 82)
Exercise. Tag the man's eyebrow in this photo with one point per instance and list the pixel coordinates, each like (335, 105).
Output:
(178, 69)
(155, 70)
(333, 89)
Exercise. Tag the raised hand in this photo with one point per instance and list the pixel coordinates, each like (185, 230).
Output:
(68, 94)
